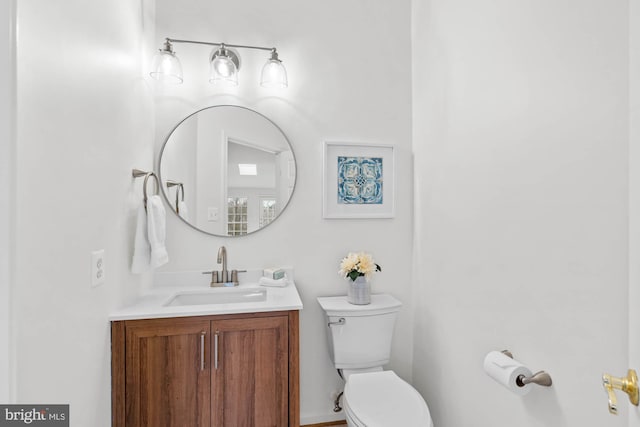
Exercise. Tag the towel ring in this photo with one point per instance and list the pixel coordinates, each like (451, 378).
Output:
(180, 189)
(137, 173)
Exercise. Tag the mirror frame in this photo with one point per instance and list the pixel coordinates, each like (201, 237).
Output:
(163, 183)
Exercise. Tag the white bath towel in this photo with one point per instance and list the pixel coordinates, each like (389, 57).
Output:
(141, 248)
(156, 231)
(183, 211)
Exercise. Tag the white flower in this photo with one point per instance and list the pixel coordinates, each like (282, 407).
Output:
(358, 264)
(366, 265)
(348, 264)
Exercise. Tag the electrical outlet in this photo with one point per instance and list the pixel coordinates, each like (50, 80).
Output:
(97, 268)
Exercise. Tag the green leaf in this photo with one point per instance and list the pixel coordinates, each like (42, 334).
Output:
(353, 275)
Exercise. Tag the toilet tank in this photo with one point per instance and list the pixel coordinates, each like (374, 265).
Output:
(363, 338)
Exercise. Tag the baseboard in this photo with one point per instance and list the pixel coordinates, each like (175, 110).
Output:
(322, 420)
(327, 424)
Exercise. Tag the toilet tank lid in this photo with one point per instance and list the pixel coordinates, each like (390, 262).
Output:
(339, 306)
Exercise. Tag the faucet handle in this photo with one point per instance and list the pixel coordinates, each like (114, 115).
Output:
(214, 276)
(628, 384)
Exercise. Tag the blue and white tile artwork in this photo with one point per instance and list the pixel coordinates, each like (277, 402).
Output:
(360, 180)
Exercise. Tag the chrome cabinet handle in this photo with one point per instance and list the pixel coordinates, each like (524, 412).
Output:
(203, 334)
(628, 384)
(215, 351)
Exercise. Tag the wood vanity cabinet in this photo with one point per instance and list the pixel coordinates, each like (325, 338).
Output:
(236, 370)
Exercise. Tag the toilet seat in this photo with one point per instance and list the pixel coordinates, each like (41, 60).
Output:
(382, 399)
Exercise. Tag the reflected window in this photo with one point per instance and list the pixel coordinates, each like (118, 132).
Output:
(267, 210)
(236, 216)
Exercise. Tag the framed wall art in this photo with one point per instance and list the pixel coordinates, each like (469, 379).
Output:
(358, 180)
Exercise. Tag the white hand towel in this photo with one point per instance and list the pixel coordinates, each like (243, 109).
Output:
(183, 211)
(141, 248)
(156, 220)
(280, 283)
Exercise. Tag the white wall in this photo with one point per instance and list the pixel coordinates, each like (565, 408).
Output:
(337, 91)
(180, 157)
(634, 195)
(520, 141)
(84, 121)
(7, 151)
(265, 165)
(521, 185)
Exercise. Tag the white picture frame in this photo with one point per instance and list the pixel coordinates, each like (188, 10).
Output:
(358, 195)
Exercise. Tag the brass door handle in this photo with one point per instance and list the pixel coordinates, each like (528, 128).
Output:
(628, 384)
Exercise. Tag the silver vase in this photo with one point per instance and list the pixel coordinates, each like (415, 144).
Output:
(359, 291)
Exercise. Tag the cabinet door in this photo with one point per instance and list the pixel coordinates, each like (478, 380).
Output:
(167, 373)
(250, 372)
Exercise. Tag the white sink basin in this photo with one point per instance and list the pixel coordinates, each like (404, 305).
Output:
(217, 296)
(187, 293)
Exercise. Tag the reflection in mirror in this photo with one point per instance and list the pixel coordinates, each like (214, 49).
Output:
(227, 170)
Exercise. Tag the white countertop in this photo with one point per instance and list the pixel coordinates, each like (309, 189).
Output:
(152, 304)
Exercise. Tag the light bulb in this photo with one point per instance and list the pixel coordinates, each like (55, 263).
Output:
(166, 67)
(223, 68)
(273, 73)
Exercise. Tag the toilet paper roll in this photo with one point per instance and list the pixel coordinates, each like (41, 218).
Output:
(506, 371)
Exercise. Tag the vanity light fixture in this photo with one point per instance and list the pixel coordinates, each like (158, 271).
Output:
(224, 67)
(224, 64)
(166, 66)
(273, 73)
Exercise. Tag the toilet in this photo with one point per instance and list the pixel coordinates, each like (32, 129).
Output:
(359, 338)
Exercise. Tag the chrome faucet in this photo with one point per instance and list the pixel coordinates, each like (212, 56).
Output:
(222, 258)
(222, 278)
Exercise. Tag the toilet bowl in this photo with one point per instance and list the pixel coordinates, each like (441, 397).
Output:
(382, 399)
(359, 342)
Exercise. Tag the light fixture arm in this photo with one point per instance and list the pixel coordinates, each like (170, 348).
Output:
(237, 46)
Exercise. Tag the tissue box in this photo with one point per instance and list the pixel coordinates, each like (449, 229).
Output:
(273, 273)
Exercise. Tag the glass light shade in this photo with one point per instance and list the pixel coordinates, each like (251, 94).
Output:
(274, 74)
(223, 71)
(166, 67)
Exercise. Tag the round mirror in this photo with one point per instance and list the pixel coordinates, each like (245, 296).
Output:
(227, 170)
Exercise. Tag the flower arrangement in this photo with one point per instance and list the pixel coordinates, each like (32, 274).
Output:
(359, 264)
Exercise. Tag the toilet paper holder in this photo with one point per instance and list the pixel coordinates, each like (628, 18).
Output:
(541, 377)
